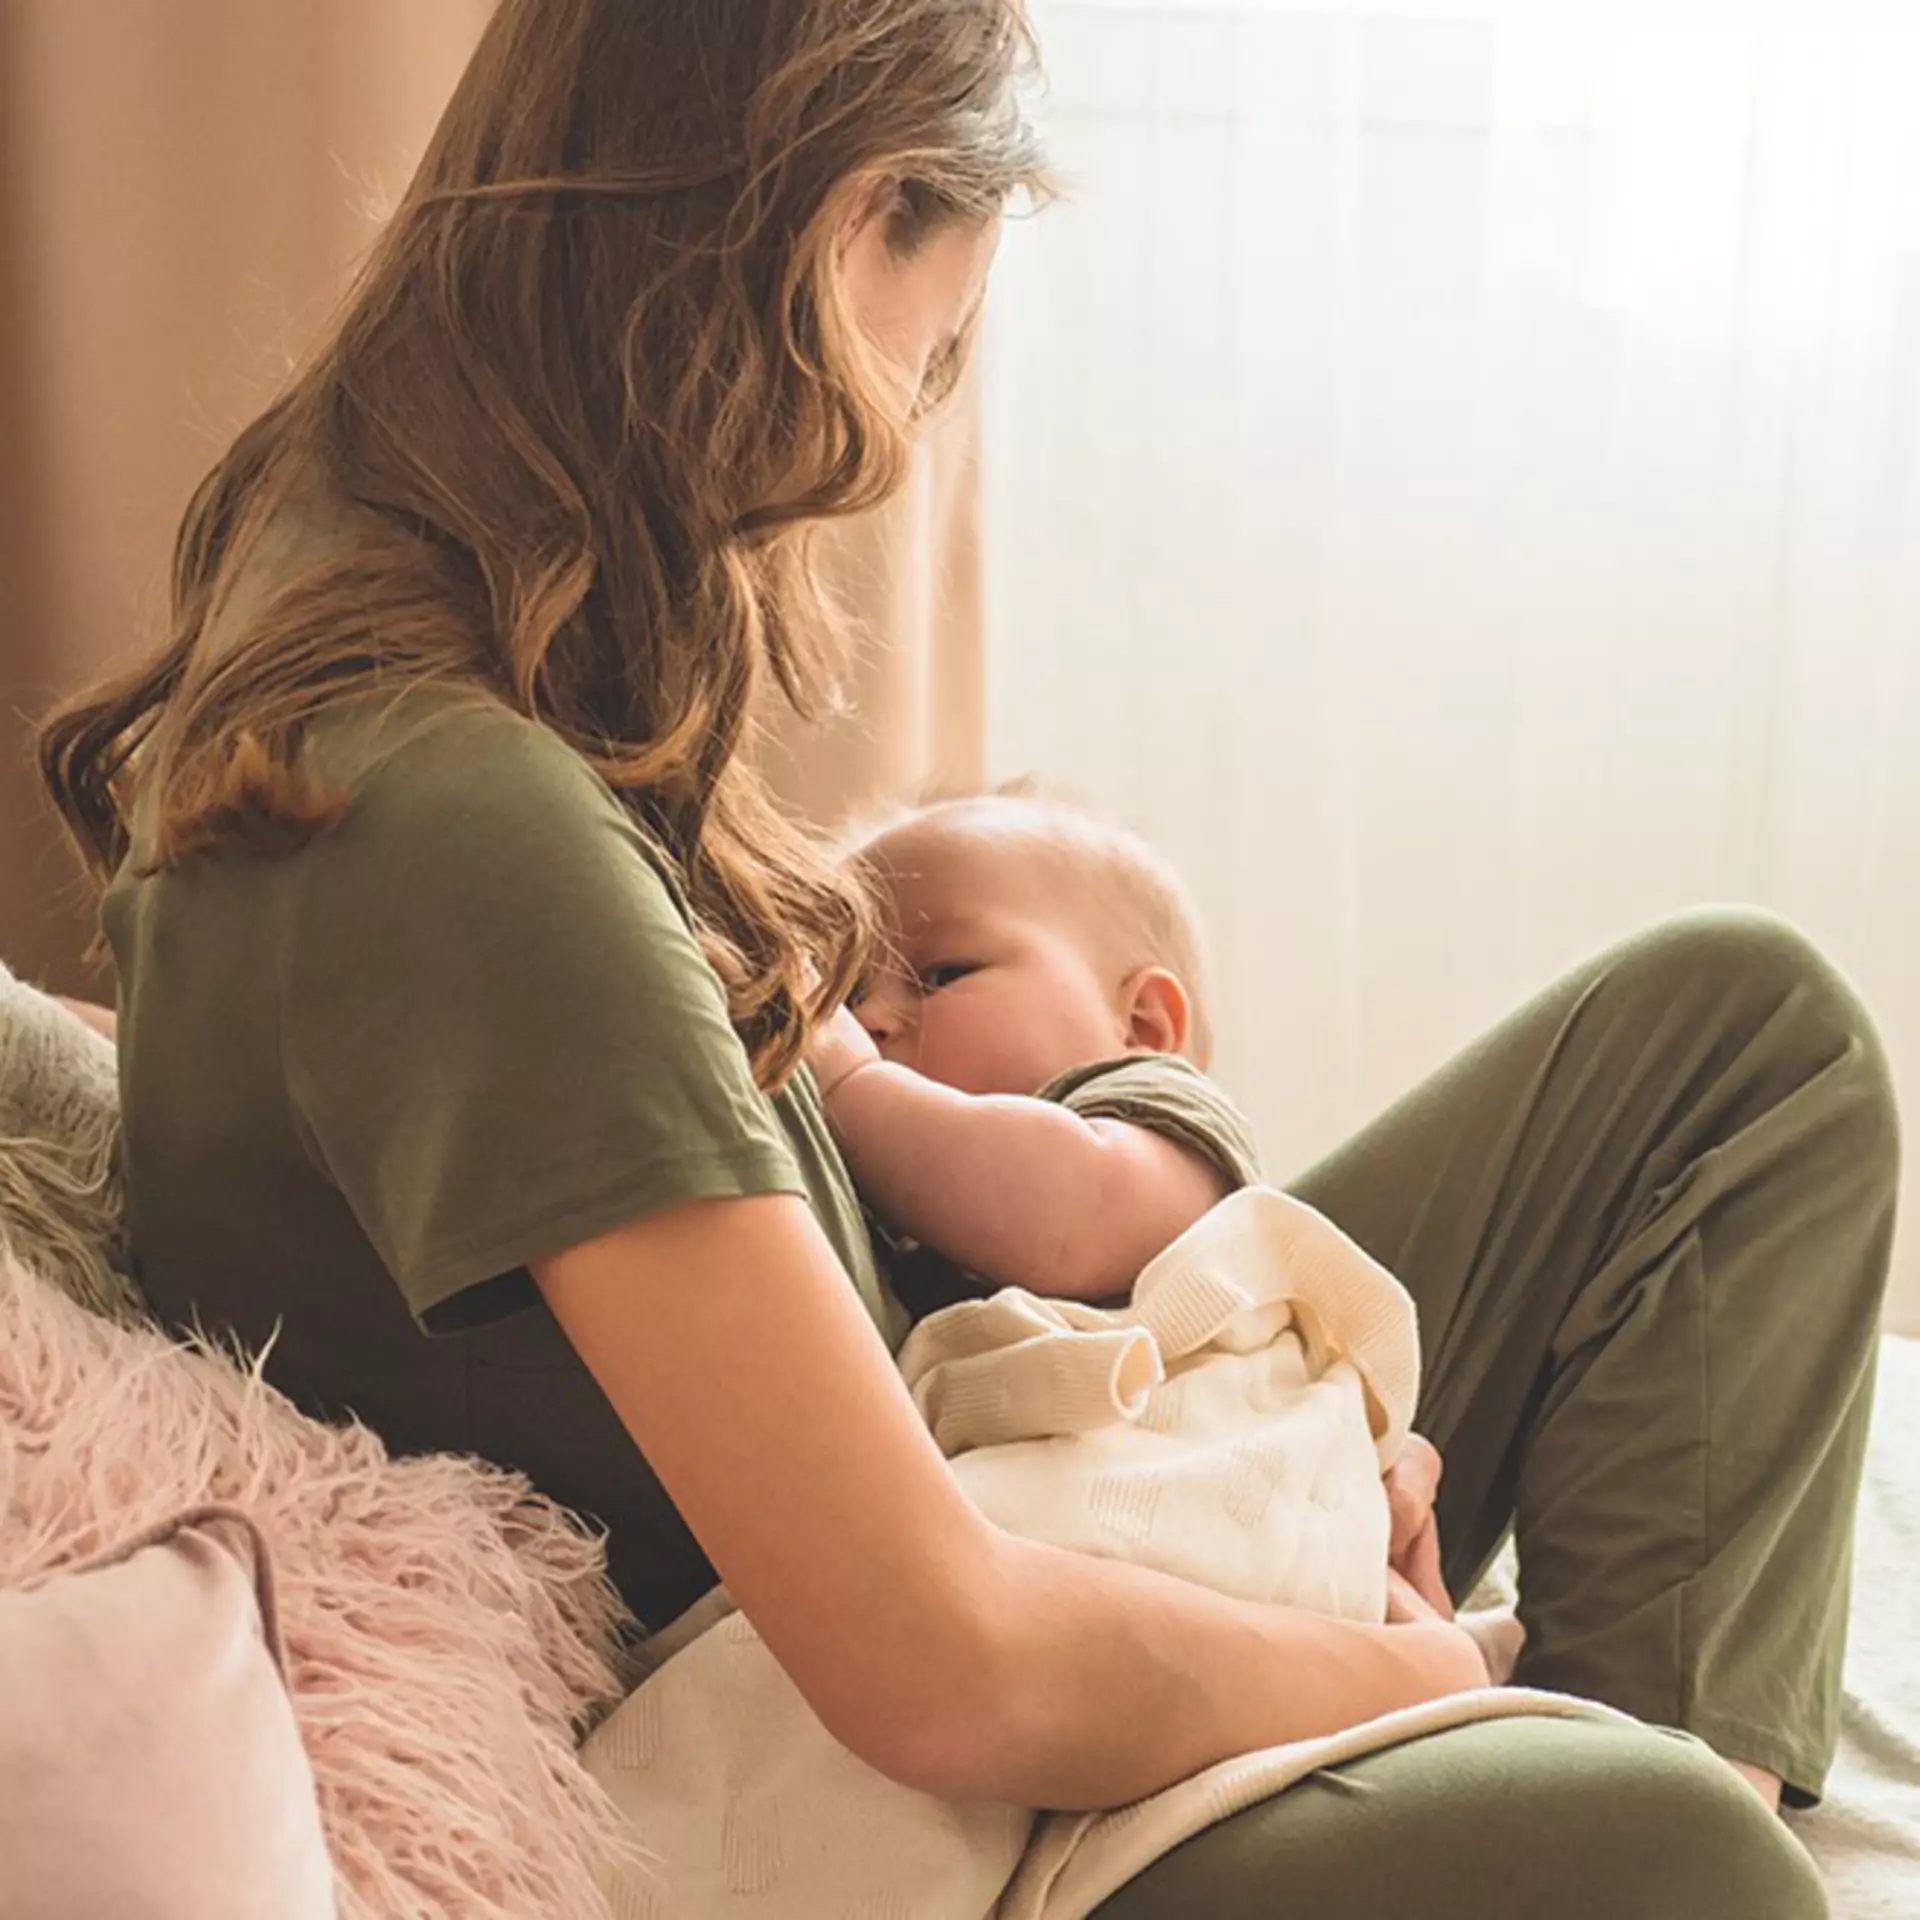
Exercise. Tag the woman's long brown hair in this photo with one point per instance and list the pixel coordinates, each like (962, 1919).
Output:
(590, 391)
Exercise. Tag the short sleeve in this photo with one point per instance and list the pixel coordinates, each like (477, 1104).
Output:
(1168, 1095)
(500, 1036)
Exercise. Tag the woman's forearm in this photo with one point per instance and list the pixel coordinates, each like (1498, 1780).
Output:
(1021, 1191)
(1114, 1681)
(939, 1648)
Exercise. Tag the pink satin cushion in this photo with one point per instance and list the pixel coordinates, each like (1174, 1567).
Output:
(150, 1768)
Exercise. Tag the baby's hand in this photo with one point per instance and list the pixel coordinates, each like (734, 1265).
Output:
(839, 1050)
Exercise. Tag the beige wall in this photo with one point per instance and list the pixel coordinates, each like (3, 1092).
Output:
(183, 184)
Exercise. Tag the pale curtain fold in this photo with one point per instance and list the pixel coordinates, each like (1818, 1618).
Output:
(184, 186)
(1454, 483)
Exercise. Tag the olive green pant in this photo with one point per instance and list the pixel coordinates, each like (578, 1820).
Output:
(1647, 1223)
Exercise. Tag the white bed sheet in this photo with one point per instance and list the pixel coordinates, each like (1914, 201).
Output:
(1866, 1833)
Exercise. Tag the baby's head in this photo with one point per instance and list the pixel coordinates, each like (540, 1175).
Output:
(1027, 937)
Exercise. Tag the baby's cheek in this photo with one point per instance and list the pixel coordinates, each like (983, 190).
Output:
(971, 1046)
(1027, 1054)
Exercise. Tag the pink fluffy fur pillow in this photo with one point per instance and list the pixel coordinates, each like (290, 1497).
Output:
(447, 1632)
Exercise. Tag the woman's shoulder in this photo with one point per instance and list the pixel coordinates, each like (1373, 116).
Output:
(479, 866)
(450, 800)
(447, 774)
(480, 882)
(434, 748)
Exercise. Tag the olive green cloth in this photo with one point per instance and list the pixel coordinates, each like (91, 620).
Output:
(1508, 1820)
(1647, 1223)
(364, 1084)
(1162, 1092)
(1165, 1094)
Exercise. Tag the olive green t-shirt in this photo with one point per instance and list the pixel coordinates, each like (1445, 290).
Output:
(1162, 1092)
(367, 1082)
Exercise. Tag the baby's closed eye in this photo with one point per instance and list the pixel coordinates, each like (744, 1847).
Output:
(932, 979)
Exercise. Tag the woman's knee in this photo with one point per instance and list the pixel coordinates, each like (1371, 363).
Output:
(1649, 1824)
(1742, 951)
(1705, 1842)
(1528, 1818)
(1760, 975)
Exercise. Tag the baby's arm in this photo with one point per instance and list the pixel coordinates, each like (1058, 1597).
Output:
(1021, 1191)
(100, 1019)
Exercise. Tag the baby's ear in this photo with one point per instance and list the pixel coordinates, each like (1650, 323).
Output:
(1155, 1012)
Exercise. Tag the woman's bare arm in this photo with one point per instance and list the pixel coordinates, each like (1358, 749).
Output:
(942, 1650)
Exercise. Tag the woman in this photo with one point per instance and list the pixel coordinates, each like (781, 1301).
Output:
(468, 981)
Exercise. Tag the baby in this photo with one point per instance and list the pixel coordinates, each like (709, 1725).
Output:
(1021, 1088)
(1028, 1095)
(1023, 1099)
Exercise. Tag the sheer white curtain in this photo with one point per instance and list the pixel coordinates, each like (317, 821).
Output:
(1455, 484)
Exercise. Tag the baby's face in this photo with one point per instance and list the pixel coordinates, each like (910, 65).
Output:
(993, 987)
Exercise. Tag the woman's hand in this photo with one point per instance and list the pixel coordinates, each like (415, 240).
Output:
(839, 1050)
(1454, 1660)
(1413, 1552)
